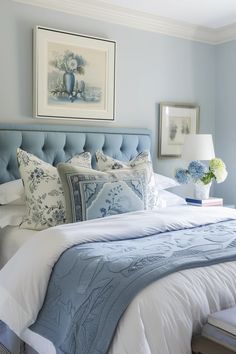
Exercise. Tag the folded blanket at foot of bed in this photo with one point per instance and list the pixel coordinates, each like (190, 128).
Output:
(93, 283)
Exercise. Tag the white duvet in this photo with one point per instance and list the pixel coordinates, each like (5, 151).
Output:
(161, 318)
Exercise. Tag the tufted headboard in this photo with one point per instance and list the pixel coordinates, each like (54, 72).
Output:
(54, 144)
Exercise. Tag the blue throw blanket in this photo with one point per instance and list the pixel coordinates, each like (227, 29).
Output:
(92, 284)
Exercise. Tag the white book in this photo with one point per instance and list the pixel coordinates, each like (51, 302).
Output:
(225, 320)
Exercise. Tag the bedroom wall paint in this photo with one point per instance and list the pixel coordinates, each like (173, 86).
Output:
(150, 68)
(226, 117)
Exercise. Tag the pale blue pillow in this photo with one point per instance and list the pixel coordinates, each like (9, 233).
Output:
(91, 194)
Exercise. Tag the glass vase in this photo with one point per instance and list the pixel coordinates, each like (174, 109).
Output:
(201, 190)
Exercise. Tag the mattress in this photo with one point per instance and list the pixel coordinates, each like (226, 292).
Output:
(11, 239)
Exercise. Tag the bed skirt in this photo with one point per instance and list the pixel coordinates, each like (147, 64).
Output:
(11, 344)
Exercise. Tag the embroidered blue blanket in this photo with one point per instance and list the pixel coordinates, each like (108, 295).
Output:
(92, 284)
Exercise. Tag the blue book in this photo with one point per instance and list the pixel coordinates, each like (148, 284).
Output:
(205, 202)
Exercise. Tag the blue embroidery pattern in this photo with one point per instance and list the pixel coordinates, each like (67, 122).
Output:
(94, 196)
(93, 283)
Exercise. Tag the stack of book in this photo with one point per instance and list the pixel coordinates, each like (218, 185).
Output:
(221, 328)
(205, 202)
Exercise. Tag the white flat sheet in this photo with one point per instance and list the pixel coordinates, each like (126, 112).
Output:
(161, 319)
(11, 239)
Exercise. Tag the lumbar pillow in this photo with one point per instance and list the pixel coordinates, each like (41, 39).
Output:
(45, 202)
(91, 194)
(142, 160)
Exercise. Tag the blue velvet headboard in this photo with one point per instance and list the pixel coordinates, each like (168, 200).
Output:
(54, 144)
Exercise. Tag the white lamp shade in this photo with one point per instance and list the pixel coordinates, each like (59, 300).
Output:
(198, 147)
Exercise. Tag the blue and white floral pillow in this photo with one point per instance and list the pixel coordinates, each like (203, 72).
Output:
(91, 194)
(107, 163)
(45, 202)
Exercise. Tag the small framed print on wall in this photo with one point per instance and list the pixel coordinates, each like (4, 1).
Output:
(74, 75)
(176, 121)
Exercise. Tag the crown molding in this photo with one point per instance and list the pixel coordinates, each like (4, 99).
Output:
(226, 34)
(99, 10)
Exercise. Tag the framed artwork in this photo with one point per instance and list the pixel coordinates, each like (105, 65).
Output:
(176, 121)
(74, 75)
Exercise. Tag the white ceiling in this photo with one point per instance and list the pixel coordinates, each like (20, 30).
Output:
(209, 21)
(209, 13)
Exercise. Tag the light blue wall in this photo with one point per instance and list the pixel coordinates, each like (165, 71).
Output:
(150, 68)
(225, 141)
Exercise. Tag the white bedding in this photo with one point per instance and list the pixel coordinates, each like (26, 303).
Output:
(11, 239)
(11, 215)
(161, 318)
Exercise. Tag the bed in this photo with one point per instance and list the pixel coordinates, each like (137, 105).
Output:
(156, 312)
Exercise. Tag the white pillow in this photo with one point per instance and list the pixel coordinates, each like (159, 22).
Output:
(143, 159)
(12, 192)
(163, 182)
(168, 199)
(11, 215)
(45, 202)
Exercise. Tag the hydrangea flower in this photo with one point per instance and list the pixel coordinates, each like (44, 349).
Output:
(196, 170)
(182, 176)
(217, 167)
(216, 164)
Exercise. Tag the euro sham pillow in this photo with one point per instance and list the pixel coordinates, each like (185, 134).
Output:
(168, 199)
(92, 194)
(142, 160)
(163, 182)
(11, 215)
(45, 202)
(12, 193)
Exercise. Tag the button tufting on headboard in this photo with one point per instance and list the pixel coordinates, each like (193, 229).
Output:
(52, 144)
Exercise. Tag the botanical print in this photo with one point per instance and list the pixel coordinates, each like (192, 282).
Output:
(113, 204)
(76, 75)
(176, 121)
(106, 163)
(96, 194)
(179, 127)
(44, 193)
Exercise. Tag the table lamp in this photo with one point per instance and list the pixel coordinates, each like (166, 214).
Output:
(198, 147)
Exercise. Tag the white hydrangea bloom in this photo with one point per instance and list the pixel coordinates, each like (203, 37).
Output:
(220, 174)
